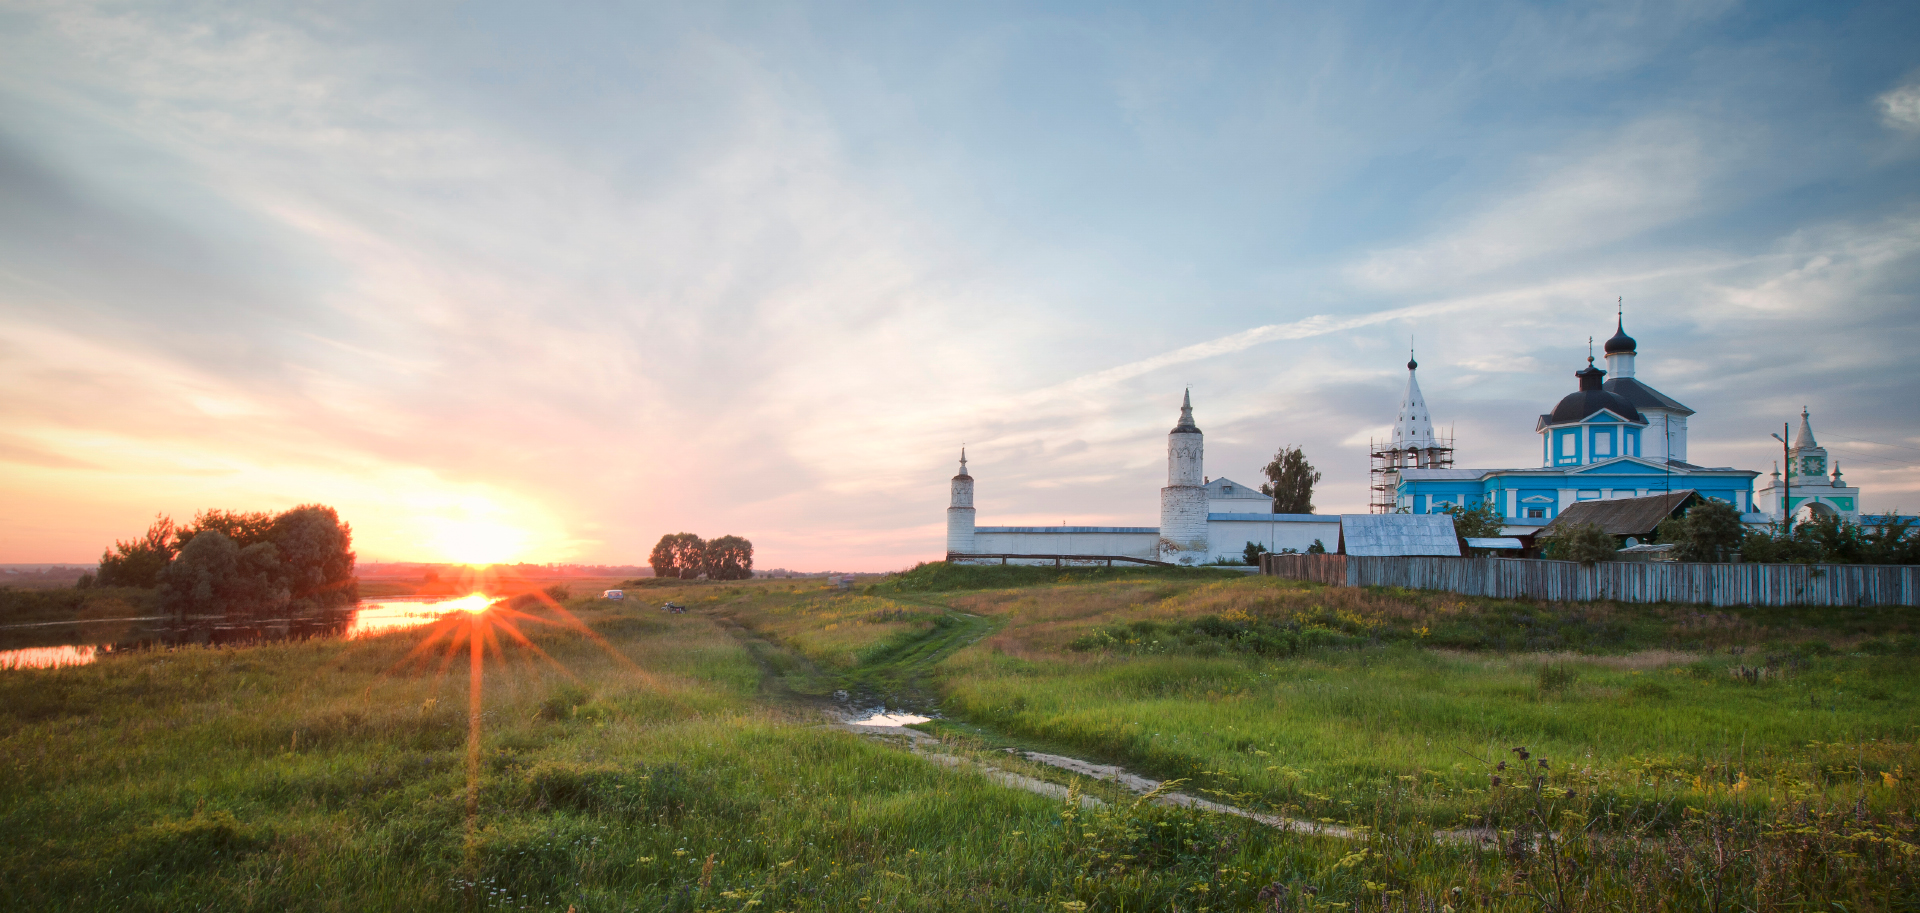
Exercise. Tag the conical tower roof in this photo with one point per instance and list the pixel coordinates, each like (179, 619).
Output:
(1803, 440)
(1415, 426)
(1186, 425)
(963, 465)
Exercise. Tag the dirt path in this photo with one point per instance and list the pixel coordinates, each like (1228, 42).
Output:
(931, 748)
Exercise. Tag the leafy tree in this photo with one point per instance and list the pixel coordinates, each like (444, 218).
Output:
(1253, 552)
(1317, 548)
(1290, 481)
(243, 528)
(728, 558)
(678, 555)
(1709, 531)
(316, 553)
(214, 576)
(138, 562)
(1481, 521)
(1586, 543)
(1834, 540)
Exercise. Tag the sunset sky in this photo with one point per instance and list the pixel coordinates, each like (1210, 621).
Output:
(544, 282)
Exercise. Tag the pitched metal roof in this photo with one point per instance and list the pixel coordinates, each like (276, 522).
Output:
(1624, 516)
(1393, 535)
(1223, 489)
(1643, 396)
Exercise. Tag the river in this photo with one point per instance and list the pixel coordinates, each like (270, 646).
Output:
(367, 617)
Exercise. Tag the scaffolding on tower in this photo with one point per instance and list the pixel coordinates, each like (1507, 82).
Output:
(1387, 461)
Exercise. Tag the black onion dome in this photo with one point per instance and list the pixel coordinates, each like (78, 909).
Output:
(1620, 342)
(1591, 398)
(1411, 364)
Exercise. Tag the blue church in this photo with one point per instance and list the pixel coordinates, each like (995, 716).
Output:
(1613, 437)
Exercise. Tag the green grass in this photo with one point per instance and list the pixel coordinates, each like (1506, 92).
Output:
(1729, 760)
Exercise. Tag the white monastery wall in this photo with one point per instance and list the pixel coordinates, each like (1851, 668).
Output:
(1228, 534)
(1134, 542)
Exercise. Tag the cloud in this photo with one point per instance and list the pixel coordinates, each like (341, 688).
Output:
(1604, 189)
(1900, 106)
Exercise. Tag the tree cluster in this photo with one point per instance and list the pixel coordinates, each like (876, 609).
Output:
(1834, 540)
(241, 565)
(1290, 481)
(1709, 531)
(688, 557)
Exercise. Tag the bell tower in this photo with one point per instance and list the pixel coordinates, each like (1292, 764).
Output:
(960, 512)
(1183, 503)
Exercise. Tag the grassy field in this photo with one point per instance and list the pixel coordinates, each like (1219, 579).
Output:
(1723, 761)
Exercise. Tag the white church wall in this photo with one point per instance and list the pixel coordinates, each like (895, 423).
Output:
(1134, 542)
(1228, 535)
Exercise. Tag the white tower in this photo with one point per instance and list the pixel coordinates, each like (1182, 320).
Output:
(1183, 503)
(960, 512)
(1815, 494)
(1413, 439)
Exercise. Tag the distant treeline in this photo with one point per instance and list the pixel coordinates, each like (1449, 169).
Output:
(240, 565)
(687, 556)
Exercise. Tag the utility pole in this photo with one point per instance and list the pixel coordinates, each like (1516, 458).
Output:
(1786, 492)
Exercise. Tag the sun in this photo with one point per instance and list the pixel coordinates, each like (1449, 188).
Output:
(478, 542)
(474, 602)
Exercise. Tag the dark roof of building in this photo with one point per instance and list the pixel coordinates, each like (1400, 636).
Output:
(1643, 396)
(1620, 342)
(1624, 516)
(1589, 399)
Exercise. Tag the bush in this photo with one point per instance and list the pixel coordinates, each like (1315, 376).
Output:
(1834, 540)
(1586, 543)
(1709, 531)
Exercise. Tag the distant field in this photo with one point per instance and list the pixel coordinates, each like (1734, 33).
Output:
(1711, 761)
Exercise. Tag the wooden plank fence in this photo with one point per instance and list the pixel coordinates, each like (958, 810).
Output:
(1657, 581)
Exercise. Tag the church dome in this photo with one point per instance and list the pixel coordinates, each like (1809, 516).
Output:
(1591, 398)
(1620, 342)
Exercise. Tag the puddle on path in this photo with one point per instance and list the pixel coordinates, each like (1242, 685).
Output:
(889, 720)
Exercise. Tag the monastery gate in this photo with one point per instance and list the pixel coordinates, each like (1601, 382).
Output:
(1570, 581)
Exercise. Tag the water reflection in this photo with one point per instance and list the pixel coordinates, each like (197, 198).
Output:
(49, 657)
(367, 618)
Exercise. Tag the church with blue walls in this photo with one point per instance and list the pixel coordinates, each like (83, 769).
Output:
(1614, 436)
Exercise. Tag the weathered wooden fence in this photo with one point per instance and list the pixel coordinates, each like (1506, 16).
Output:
(1568, 581)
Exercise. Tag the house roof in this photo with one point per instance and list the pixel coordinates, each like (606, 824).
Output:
(1624, 516)
(1496, 542)
(1393, 535)
(1225, 489)
(1643, 396)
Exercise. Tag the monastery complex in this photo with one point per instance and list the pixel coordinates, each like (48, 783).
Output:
(1612, 437)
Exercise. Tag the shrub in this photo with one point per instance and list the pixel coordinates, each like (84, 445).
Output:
(1586, 543)
(1709, 531)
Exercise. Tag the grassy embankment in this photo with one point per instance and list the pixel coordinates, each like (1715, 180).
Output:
(314, 775)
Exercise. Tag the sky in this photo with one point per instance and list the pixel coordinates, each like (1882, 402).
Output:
(512, 282)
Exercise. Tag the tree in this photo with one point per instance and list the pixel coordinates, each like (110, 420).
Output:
(1834, 540)
(1481, 521)
(243, 528)
(316, 554)
(1710, 530)
(1586, 543)
(678, 555)
(1290, 481)
(1317, 548)
(214, 576)
(1253, 551)
(138, 562)
(728, 558)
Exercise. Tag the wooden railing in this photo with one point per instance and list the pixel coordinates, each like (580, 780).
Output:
(1654, 581)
